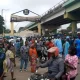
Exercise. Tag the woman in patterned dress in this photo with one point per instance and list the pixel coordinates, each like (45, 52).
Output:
(33, 57)
(71, 61)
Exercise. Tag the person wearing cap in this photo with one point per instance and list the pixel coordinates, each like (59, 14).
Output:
(55, 65)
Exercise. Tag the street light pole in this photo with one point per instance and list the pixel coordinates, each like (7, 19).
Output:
(2, 16)
(4, 20)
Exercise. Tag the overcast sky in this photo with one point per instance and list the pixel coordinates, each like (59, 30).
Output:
(37, 6)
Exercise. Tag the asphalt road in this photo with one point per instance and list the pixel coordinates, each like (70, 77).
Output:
(25, 75)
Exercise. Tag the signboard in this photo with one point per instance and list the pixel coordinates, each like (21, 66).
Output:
(26, 12)
(15, 18)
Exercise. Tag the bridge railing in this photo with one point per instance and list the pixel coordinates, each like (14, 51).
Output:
(54, 8)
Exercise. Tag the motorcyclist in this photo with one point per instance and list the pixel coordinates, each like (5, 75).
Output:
(55, 65)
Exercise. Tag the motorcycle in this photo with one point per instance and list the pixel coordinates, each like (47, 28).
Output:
(43, 58)
(37, 76)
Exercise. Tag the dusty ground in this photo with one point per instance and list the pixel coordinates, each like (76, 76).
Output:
(25, 75)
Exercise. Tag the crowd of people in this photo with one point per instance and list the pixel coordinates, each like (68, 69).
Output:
(60, 55)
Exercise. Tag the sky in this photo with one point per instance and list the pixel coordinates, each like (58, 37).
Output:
(37, 6)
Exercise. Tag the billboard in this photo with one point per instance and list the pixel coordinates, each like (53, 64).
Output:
(15, 18)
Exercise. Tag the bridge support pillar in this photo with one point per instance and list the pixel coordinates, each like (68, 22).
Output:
(39, 28)
(74, 28)
(71, 16)
(12, 28)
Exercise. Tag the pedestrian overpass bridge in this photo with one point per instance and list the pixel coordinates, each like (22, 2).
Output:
(67, 11)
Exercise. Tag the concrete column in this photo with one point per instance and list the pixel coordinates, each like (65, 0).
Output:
(74, 28)
(12, 29)
(39, 28)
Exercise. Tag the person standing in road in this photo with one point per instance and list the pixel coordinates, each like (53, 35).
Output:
(2, 58)
(77, 44)
(66, 47)
(24, 56)
(21, 42)
(39, 47)
(10, 61)
(49, 45)
(33, 57)
(59, 45)
(17, 47)
(14, 52)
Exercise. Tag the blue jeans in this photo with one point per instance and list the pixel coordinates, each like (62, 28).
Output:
(24, 61)
(17, 53)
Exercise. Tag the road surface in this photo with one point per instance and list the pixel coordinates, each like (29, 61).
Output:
(25, 75)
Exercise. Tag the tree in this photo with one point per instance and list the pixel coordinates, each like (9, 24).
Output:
(7, 30)
(14, 31)
(1, 24)
(4, 28)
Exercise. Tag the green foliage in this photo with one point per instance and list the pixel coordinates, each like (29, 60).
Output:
(14, 31)
(7, 30)
(1, 24)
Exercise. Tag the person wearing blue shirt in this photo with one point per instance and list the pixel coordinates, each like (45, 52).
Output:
(59, 45)
(66, 47)
(77, 43)
(17, 48)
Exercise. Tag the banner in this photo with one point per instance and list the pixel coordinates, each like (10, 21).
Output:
(15, 18)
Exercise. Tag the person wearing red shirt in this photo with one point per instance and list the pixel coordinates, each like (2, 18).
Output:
(49, 45)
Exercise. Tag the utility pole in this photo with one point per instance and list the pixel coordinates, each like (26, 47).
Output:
(2, 16)
(4, 20)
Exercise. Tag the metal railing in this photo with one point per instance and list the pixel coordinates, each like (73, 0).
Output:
(57, 6)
